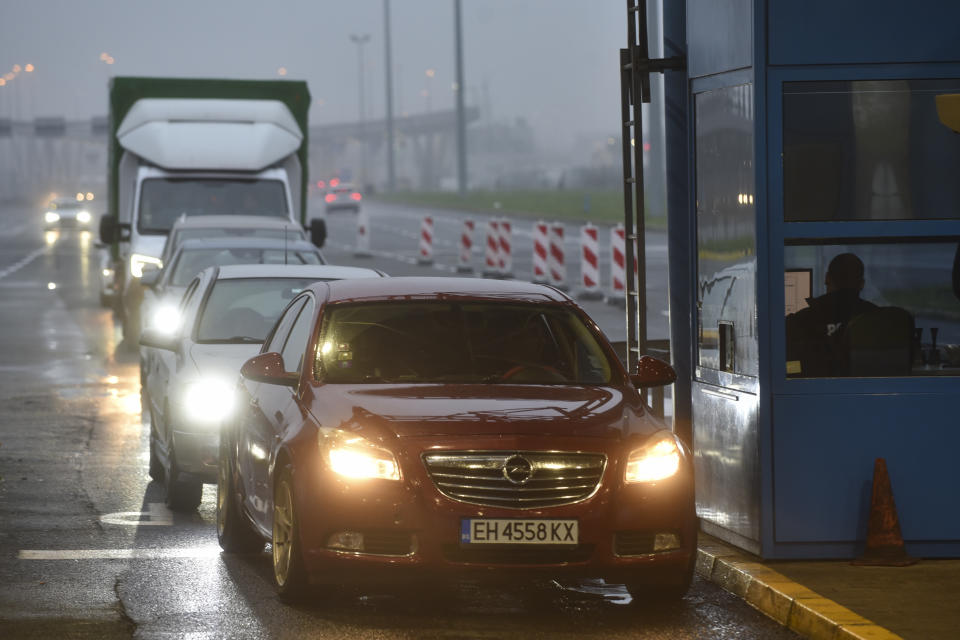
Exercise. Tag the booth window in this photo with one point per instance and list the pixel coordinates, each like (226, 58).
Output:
(726, 231)
(870, 150)
(900, 318)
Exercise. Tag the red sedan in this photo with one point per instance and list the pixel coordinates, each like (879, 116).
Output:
(418, 428)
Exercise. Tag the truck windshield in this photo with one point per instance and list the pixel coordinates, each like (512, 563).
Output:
(163, 200)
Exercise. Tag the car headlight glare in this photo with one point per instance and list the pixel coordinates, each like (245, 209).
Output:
(166, 319)
(353, 456)
(83, 217)
(51, 216)
(658, 459)
(137, 260)
(208, 401)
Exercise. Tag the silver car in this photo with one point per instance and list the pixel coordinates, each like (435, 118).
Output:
(222, 319)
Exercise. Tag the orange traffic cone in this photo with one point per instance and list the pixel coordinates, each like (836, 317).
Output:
(884, 542)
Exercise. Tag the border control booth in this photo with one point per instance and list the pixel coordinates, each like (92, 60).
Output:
(817, 129)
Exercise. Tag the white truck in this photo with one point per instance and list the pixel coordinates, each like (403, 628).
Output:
(182, 147)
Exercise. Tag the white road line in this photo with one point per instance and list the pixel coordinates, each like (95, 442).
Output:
(33, 255)
(211, 551)
(157, 514)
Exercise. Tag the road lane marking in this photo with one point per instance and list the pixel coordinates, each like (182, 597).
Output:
(168, 553)
(156, 514)
(16, 266)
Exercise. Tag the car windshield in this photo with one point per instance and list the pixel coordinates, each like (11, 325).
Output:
(163, 200)
(292, 233)
(55, 206)
(192, 261)
(465, 342)
(244, 310)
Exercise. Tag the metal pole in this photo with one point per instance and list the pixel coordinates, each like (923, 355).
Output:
(461, 118)
(360, 40)
(391, 171)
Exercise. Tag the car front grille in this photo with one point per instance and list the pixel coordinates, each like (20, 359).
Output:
(516, 479)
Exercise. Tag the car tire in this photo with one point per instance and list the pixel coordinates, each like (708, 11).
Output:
(289, 570)
(156, 467)
(182, 492)
(645, 592)
(234, 533)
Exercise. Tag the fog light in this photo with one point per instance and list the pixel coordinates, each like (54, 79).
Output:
(346, 541)
(666, 542)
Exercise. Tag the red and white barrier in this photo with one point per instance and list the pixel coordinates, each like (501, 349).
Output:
(426, 241)
(466, 246)
(505, 255)
(589, 262)
(491, 252)
(362, 249)
(556, 264)
(618, 264)
(541, 251)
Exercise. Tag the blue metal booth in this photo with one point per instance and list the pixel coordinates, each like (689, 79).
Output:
(797, 132)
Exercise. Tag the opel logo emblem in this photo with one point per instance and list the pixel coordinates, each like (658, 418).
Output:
(517, 469)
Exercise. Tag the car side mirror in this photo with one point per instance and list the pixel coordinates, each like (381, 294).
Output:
(652, 372)
(151, 276)
(109, 230)
(268, 368)
(318, 231)
(158, 340)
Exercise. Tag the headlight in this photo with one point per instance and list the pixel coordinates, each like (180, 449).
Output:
(166, 319)
(208, 401)
(658, 459)
(354, 456)
(83, 217)
(51, 216)
(137, 260)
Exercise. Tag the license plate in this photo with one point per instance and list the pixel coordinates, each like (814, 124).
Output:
(518, 531)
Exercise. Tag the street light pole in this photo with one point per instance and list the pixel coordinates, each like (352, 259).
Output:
(360, 40)
(391, 174)
(461, 118)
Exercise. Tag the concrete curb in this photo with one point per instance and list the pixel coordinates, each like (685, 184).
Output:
(789, 603)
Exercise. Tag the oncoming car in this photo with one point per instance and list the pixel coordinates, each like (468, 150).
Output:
(427, 427)
(67, 212)
(188, 383)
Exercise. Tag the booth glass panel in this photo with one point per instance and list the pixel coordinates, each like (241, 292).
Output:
(871, 150)
(726, 231)
(899, 317)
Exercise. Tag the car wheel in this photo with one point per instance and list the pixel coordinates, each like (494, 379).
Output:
(289, 572)
(666, 592)
(156, 467)
(233, 532)
(182, 492)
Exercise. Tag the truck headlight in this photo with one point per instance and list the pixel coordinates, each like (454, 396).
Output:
(83, 217)
(208, 401)
(137, 260)
(51, 217)
(354, 456)
(658, 459)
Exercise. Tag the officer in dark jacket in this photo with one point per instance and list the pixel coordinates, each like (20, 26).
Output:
(815, 333)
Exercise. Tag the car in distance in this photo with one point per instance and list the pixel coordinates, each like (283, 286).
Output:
(191, 256)
(193, 227)
(188, 386)
(342, 196)
(408, 427)
(67, 212)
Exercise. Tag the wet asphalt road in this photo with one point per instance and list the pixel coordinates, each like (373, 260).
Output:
(87, 549)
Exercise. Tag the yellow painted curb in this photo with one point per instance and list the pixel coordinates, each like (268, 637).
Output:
(789, 603)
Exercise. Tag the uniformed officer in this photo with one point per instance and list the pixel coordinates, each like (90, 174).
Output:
(815, 333)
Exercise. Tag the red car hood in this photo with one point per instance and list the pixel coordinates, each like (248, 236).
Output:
(442, 410)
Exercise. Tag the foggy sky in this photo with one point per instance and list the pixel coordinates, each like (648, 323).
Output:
(553, 62)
